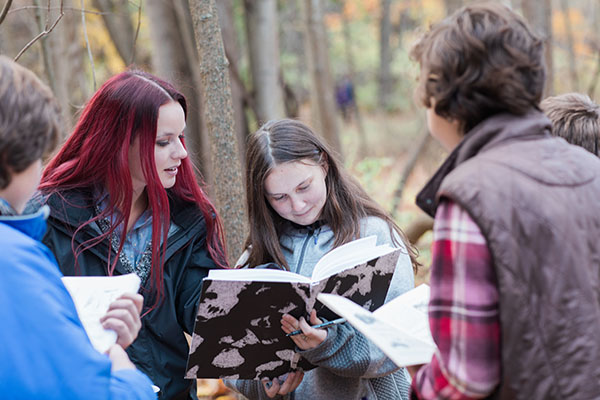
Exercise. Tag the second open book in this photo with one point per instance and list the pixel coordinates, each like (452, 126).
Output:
(238, 332)
(400, 328)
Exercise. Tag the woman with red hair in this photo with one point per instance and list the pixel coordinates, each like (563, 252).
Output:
(124, 198)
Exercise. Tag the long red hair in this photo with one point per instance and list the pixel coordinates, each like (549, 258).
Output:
(95, 156)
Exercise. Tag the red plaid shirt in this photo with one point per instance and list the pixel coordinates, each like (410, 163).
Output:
(463, 312)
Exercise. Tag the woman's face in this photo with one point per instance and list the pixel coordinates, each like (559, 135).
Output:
(296, 190)
(168, 149)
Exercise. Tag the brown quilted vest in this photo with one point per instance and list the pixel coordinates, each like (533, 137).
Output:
(536, 200)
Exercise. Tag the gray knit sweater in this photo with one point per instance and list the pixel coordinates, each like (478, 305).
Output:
(349, 366)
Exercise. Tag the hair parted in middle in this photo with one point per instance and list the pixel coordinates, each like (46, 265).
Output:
(576, 118)
(287, 140)
(480, 61)
(95, 157)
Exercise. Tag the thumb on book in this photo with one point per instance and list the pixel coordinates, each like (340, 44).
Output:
(314, 320)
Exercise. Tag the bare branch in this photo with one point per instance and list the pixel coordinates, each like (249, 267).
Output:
(5, 10)
(87, 44)
(45, 32)
(25, 8)
(408, 168)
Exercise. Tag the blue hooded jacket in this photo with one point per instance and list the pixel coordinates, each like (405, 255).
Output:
(44, 350)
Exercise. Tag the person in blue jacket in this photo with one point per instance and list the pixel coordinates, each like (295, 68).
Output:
(44, 349)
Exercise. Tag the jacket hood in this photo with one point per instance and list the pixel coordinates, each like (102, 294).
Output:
(32, 225)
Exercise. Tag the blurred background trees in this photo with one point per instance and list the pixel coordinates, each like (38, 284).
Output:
(340, 65)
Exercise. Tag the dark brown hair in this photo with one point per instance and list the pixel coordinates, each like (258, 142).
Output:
(576, 118)
(480, 61)
(29, 119)
(347, 203)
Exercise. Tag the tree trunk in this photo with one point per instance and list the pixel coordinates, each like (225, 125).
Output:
(386, 82)
(45, 52)
(452, 5)
(539, 15)
(407, 171)
(238, 91)
(67, 58)
(352, 75)
(594, 80)
(322, 98)
(116, 18)
(171, 62)
(263, 48)
(230, 197)
(570, 46)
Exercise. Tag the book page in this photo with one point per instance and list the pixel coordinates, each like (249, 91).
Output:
(392, 330)
(92, 296)
(413, 306)
(256, 275)
(349, 255)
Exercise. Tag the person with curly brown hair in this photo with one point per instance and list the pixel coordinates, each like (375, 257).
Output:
(515, 289)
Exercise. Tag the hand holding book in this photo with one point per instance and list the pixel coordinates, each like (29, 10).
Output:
(238, 332)
(97, 302)
(399, 328)
(307, 337)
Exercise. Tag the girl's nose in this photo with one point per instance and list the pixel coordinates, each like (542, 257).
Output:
(180, 152)
(297, 204)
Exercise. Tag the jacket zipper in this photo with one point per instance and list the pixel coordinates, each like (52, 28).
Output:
(302, 253)
(311, 233)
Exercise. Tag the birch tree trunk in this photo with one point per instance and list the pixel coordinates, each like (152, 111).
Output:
(263, 48)
(322, 98)
(228, 184)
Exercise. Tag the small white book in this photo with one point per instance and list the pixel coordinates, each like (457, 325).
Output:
(92, 296)
(400, 328)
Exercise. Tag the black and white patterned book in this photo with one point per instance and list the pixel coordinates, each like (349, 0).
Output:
(238, 333)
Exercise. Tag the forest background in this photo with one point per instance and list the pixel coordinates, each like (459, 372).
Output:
(342, 66)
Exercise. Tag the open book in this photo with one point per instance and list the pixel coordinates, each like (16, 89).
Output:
(400, 328)
(92, 296)
(238, 332)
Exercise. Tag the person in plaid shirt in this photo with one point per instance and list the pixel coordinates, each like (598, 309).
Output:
(515, 296)
(463, 312)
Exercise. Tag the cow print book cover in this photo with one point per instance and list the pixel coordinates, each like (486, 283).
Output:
(238, 335)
